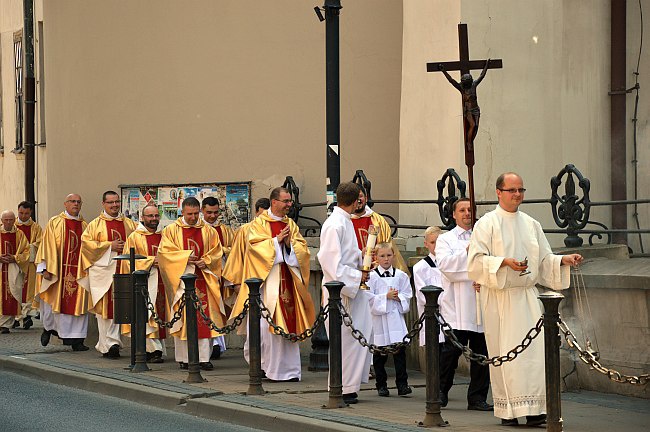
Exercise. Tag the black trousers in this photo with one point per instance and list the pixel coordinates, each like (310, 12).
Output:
(72, 341)
(479, 375)
(379, 362)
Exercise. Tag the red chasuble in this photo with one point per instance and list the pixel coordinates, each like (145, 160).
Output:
(153, 240)
(287, 302)
(116, 231)
(193, 240)
(70, 264)
(361, 226)
(27, 230)
(9, 303)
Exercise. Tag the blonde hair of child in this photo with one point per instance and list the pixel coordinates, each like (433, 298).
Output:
(385, 245)
(432, 230)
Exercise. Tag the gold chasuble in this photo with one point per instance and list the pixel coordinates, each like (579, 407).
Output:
(226, 237)
(361, 224)
(60, 249)
(234, 268)
(288, 299)
(96, 263)
(179, 242)
(34, 233)
(147, 244)
(13, 243)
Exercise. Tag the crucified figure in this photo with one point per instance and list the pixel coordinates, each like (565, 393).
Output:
(471, 110)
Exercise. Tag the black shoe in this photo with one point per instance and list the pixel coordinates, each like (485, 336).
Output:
(350, 398)
(38, 316)
(155, 357)
(536, 420)
(27, 323)
(480, 406)
(216, 353)
(383, 391)
(79, 346)
(183, 366)
(294, 379)
(113, 352)
(45, 337)
(404, 390)
(4, 330)
(509, 422)
(16, 324)
(444, 400)
(206, 366)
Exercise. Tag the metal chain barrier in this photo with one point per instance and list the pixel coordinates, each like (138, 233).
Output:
(376, 349)
(590, 359)
(293, 337)
(177, 315)
(484, 360)
(225, 329)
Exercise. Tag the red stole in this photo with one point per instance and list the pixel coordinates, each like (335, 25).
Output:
(218, 228)
(71, 248)
(9, 303)
(361, 226)
(116, 231)
(27, 230)
(193, 240)
(286, 299)
(153, 240)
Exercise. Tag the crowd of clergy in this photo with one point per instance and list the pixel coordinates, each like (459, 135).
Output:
(488, 272)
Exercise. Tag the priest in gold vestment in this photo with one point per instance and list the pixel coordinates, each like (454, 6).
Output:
(278, 254)
(33, 232)
(102, 241)
(14, 257)
(189, 245)
(62, 302)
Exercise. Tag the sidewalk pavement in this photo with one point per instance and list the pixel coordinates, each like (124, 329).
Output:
(286, 405)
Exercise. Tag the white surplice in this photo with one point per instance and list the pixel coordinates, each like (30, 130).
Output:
(458, 303)
(340, 259)
(425, 274)
(388, 325)
(510, 305)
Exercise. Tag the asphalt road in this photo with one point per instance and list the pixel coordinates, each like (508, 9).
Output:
(28, 404)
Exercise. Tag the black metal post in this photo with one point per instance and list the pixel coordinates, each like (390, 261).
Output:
(333, 96)
(432, 416)
(254, 338)
(551, 302)
(192, 331)
(133, 307)
(30, 102)
(335, 399)
(139, 329)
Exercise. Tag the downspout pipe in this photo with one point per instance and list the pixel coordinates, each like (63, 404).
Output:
(30, 103)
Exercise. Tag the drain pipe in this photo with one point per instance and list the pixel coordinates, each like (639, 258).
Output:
(30, 102)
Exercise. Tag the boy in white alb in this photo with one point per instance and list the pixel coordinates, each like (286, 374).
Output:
(426, 273)
(392, 294)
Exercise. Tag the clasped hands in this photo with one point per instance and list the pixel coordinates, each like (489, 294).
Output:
(7, 259)
(197, 261)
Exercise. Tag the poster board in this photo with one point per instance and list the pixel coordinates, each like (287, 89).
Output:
(234, 200)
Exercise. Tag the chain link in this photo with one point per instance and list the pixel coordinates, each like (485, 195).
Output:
(151, 308)
(376, 349)
(590, 359)
(482, 359)
(293, 337)
(225, 329)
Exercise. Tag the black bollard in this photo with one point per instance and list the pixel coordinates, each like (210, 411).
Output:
(254, 338)
(133, 308)
(335, 399)
(551, 302)
(192, 331)
(432, 416)
(139, 328)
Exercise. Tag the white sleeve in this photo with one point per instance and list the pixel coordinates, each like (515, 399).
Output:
(451, 261)
(330, 259)
(405, 293)
(379, 302)
(41, 267)
(481, 266)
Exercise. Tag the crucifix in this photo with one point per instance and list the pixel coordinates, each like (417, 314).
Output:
(467, 88)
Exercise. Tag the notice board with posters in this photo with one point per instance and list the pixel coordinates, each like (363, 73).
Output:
(234, 200)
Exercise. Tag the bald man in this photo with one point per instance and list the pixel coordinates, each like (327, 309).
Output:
(63, 304)
(14, 256)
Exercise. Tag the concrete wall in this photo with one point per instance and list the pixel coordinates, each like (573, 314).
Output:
(547, 107)
(165, 91)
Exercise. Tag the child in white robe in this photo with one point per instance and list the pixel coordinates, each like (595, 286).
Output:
(392, 294)
(426, 272)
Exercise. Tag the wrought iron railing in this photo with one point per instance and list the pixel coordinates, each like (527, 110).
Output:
(570, 207)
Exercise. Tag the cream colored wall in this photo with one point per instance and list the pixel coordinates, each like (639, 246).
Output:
(547, 107)
(161, 91)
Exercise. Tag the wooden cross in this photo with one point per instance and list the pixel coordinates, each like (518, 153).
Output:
(465, 65)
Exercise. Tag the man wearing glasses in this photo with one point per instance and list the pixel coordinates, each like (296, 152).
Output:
(278, 254)
(102, 241)
(63, 303)
(508, 255)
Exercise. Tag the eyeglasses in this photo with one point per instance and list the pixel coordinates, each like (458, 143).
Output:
(74, 201)
(513, 190)
(286, 201)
